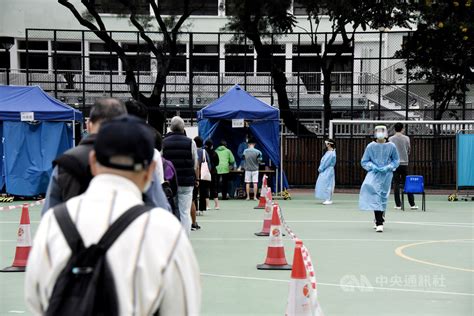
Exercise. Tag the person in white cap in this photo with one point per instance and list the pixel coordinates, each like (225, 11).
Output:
(152, 263)
(326, 179)
(380, 159)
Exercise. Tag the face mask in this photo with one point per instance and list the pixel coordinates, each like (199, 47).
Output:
(380, 135)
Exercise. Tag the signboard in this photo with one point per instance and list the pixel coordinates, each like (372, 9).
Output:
(27, 116)
(238, 123)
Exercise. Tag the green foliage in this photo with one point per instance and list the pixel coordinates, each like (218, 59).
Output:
(441, 50)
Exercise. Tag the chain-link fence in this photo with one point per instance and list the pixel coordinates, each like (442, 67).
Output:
(367, 80)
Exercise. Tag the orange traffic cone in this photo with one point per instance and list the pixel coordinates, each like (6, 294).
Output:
(263, 194)
(23, 243)
(299, 297)
(267, 215)
(276, 259)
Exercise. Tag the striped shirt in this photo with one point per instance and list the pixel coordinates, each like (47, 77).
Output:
(153, 262)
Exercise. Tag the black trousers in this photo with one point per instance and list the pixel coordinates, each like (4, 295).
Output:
(213, 187)
(379, 217)
(224, 180)
(203, 194)
(399, 177)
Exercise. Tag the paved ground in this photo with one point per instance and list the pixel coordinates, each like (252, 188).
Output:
(423, 264)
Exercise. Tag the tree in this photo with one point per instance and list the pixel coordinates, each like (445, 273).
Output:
(164, 52)
(348, 17)
(441, 50)
(256, 18)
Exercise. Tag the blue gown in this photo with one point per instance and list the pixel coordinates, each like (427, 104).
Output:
(326, 179)
(380, 160)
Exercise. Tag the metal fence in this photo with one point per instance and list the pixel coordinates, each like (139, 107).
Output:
(368, 81)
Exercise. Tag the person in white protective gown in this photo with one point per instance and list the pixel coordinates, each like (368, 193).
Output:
(326, 180)
(380, 159)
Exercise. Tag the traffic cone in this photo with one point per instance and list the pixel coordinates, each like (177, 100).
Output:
(23, 243)
(299, 296)
(263, 194)
(267, 215)
(302, 300)
(276, 259)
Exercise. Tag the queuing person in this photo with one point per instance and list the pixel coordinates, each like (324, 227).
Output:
(213, 186)
(252, 158)
(182, 152)
(226, 160)
(152, 265)
(402, 142)
(326, 180)
(380, 159)
(205, 176)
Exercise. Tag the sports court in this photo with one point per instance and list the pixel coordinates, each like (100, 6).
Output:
(422, 264)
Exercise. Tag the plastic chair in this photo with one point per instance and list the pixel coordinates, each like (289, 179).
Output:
(414, 185)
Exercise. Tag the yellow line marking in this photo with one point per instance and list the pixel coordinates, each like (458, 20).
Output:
(399, 252)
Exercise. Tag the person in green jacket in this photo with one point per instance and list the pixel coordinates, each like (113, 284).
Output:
(226, 159)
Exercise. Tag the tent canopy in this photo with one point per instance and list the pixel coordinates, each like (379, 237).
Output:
(214, 123)
(30, 147)
(17, 99)
(239, 104)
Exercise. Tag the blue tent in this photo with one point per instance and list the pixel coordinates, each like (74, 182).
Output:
(214, 123)
(34, 128)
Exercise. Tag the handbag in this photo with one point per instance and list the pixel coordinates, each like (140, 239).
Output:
(205, 172)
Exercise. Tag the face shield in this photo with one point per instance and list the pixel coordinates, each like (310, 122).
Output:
(381, 132)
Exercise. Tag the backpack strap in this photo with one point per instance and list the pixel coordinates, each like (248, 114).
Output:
(68, 228)
(121, 224)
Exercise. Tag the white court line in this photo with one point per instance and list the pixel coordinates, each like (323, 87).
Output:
(439, 224)
(340, 285)
(318, 239)
(6, 240)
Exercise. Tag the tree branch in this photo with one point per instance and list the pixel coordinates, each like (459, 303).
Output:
(90, 7)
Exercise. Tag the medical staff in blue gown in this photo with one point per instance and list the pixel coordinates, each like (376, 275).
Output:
(380, 160)
(326, 179)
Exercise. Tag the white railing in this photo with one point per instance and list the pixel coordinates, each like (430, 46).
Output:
(350, 128)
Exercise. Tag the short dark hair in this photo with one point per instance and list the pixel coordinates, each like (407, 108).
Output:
(252, 141)
(332, 143)
(137, 108)
(105, 109)
(398, 127)
(223, 143)
(198, 141)
(209, 143)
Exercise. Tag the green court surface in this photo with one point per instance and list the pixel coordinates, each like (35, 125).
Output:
(423, 264)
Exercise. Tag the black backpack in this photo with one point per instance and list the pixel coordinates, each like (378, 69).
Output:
(86, 285)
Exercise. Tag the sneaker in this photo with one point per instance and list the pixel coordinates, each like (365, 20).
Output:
(414, 207)
(247, 199)
(255, 199)
(195, 227)
(217, 207)
(398, 207)
(208, 208)
(379, 229)
(328, 202)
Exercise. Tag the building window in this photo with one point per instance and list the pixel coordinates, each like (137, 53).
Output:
(205, 58)
(100, 58)
(178, 63)
(67, 55)
(277, 61)
(4, 60)
(116, 7)
(37, 56)
(299, 8)
(138, 56)
(201, 7)
(239, 59)
(305, 64)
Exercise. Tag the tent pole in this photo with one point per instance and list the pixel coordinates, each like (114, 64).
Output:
(281, 163)
(73, 134)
